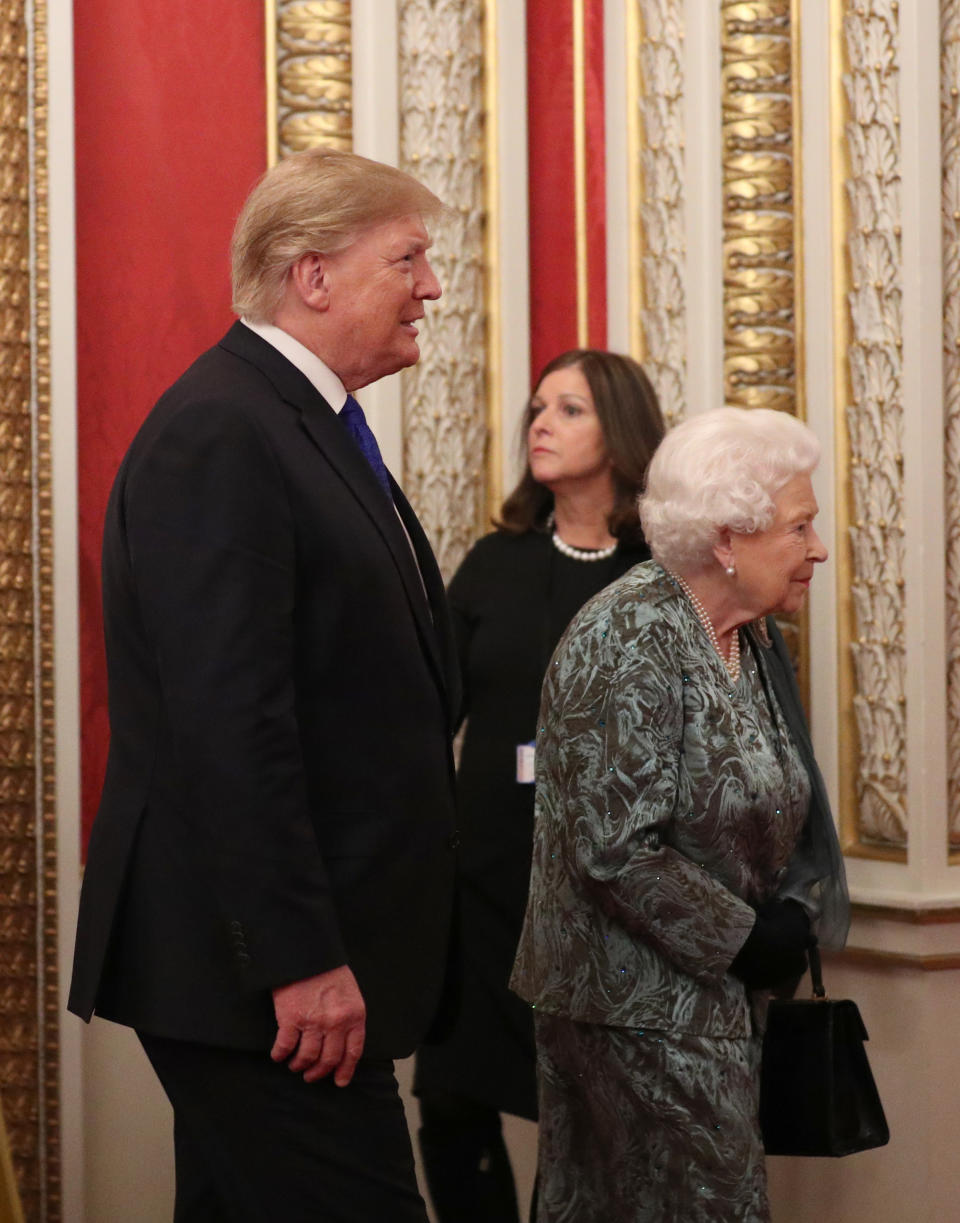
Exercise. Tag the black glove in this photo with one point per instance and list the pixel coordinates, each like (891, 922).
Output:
(775, 950)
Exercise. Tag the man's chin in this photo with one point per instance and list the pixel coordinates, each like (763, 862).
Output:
(393, 366)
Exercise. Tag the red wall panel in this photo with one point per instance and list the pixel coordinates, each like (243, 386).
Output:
(552, 177)
(553, 239)
(170, 136)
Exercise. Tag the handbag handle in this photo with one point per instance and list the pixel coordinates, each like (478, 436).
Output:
(816, 972)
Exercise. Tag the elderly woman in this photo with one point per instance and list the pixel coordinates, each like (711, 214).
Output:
(684, 855)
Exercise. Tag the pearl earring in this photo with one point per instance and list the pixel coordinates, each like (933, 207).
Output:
(731, 570)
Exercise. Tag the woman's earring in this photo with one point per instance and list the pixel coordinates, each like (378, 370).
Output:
(731, 570)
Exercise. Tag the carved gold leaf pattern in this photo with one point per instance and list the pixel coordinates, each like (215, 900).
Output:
(874, 419)
(950, 187)
(660, 173)
(760, 364)
(442, 143)
(29, 1010)
(760, 290)
(314, 74)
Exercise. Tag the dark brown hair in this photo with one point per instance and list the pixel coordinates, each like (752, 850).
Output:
(632, 427)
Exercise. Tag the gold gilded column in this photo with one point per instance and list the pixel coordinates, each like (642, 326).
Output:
(29, 1010)
(762, 249)
(309, 75)
(950, 143)
(760, 217)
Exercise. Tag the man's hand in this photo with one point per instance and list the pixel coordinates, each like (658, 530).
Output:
(322, 1022)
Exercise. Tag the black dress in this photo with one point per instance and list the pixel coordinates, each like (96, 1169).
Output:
(511, 599)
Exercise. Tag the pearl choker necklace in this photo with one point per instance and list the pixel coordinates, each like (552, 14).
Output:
(578, 554)
(581, 554)
(733, 662)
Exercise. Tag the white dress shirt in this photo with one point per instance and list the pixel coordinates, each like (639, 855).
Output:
(321, 376)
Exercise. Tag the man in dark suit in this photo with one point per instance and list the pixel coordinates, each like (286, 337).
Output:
(271, 867)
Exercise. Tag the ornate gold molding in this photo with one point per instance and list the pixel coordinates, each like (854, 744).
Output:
(443, 142)
(29, 1008)
(950, 203)
(760, 222)
(309, 75)
(658, 244)
(870, 429)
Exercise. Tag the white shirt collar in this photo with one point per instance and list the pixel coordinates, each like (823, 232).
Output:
(308, 363)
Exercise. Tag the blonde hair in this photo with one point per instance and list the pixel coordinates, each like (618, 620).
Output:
(317, 200)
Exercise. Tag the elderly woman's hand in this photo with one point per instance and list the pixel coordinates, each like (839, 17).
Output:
(775, 950)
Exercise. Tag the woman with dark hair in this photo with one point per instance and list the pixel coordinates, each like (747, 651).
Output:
(569, 528)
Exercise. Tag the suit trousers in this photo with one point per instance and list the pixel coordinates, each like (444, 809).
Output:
(254, 1142)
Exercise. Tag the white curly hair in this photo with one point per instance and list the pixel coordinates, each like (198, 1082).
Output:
(721, 468)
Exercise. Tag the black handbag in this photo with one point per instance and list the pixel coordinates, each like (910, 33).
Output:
(817, 1094)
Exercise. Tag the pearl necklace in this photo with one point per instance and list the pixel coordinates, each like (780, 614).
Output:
(579, 554)
(733, 662)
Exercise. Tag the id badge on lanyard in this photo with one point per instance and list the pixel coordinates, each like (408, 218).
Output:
(525, 762)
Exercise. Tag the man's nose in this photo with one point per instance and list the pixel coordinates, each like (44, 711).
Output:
(428, 287)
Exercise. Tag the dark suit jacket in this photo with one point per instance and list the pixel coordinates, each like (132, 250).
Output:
(279, 791)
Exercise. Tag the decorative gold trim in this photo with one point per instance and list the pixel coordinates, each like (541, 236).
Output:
(763, 224)
(580, 174)
(270, 79)
(29, 1006)
(10, 1209)
(759, 218)
(950, 223)
(842, 335)
(657, 183)
(309, 75)
(493, 281)
(636, 186)
(799, 291)
(869, 416)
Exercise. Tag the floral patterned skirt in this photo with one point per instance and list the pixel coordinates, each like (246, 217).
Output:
(647, 1127)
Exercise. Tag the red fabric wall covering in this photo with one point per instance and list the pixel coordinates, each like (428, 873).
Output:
(552, 176)
(170, 135)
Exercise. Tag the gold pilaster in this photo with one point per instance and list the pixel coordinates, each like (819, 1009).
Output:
(762, 223)
(759, 222)
(309, 75)
(950, 204)
(29, 1008)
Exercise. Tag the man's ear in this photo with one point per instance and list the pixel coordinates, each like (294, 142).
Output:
(310, 280)
(723, 548)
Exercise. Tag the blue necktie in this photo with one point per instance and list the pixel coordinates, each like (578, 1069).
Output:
(352, 416)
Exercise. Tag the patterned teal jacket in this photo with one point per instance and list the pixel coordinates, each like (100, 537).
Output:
(669, 801)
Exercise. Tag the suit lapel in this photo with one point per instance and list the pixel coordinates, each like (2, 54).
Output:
(329, 434)
(441, 635)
